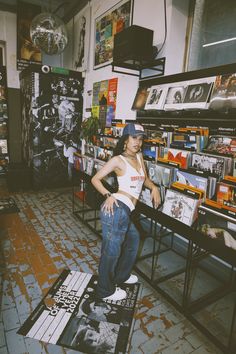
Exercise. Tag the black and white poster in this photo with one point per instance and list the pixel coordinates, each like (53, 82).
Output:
(81, 30)
(175, 96)
(70, 316)
(51, 118)
(4, 157)
(156, 97)
(197, 93)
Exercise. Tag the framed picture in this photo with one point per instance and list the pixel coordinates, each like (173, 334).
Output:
(81, 39)
(107, 25)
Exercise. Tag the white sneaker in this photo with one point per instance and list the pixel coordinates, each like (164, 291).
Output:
(119, 294)
(133, 279)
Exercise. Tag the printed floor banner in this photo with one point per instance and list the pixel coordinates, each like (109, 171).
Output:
(8, 205)
(70, 316)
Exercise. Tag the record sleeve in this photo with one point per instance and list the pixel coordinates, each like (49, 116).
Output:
(109, 142)
(117, 129)
(180, 207)
(90, 150)
(225, 145)
(150, 151)
(140, 98)
(175, 96)
(145, 197)
(197, 93)
(180, 156)
(88, 168)
(110, 178)
(3, 147)
(212, 164)
(192, 180)
(224, 92)
(162, 175)
(3, 130)
(226, 194)
(78, 162)
(185, 141)
(217, 226)
(104, 154)
(156, 97)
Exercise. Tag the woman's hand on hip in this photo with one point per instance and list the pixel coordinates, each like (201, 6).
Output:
(107, 207)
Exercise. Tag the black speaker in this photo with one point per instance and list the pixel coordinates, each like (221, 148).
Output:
(133, 43)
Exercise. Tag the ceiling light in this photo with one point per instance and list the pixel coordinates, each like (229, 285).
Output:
(219, 42)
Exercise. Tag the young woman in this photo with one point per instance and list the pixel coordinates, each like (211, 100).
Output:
(120, 236)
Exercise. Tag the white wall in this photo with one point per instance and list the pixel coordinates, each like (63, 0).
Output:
(148, 13)
(8, 35)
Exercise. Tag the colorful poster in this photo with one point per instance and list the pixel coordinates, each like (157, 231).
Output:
(113, 21)
(27, 53)
(104, 101)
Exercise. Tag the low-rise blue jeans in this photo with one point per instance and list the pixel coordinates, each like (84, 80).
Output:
(120, 242)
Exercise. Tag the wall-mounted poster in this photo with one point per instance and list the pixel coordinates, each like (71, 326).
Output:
(81, 35)
(104, 101)
(27, 53)
(4, 158)
(107, 25)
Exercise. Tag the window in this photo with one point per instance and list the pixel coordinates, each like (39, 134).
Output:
(213, 34)
(2, 53)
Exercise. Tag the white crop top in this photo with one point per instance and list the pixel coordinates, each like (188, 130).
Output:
(132, 181)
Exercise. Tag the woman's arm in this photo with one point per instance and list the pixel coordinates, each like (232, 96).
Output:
(109, 167)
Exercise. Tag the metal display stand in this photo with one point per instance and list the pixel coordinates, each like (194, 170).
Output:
(164, 231)
(85, 213)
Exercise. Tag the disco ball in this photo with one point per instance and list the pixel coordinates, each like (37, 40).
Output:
(48, 32)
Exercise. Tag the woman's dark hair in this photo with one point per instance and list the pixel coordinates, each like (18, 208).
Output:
(119, 149)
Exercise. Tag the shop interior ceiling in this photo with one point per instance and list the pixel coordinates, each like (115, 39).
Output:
(65, 9)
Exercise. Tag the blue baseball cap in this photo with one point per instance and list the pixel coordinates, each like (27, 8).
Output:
(133, 129)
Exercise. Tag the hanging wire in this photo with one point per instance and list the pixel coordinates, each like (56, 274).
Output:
(165, 16)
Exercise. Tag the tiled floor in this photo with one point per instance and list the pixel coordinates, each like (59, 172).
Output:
(37, 244)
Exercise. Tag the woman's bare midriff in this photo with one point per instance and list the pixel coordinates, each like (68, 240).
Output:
(133, 200)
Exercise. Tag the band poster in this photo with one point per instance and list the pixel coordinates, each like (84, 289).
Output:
(4, 158)
(104, 101)
(106, 26)
(69, 316)
(27, 52)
